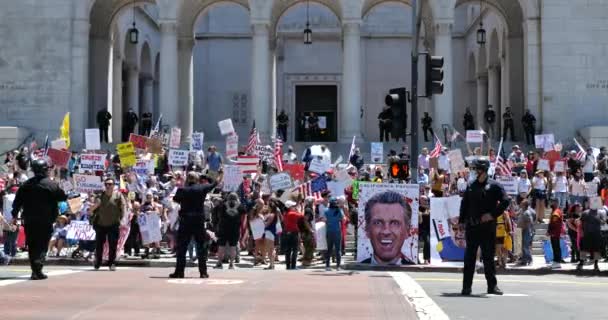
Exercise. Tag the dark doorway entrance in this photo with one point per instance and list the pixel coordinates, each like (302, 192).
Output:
(322, 102)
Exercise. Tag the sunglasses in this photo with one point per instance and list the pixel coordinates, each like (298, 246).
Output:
(109, 184)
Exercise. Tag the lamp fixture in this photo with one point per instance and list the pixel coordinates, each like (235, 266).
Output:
(133, 32)
(307, 31)
(481, 32)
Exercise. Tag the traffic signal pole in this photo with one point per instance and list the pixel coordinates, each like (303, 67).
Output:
(416, 21)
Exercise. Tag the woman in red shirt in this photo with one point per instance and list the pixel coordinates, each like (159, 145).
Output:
(291, 239)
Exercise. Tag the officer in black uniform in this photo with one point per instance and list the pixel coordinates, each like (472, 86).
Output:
(483, 201)
(191, 223)
(38, 197)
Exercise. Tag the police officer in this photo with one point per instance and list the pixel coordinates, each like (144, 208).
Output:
(38, 197)
(191, 223)
(483, 201)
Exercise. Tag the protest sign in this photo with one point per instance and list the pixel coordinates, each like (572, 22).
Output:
(59, 144)
(126, 152)
(232, 178)
(60, 158)
(226, 127)
(176, 138)
(248, 164)
(154, 145)
(319, 166)
(456, 161)
(559, 166)
(149, 227)
(280, 181)
(321, 236)
(509, 183)
(337, 187)
(543, 164)
(376, 152)
(92, 162)
(80, 230)
(196, 143)
(75, 205)
(139, 142)
(67, 186)
(595, 203)
(265, 152)
(434, 163)
(92, 139)
(474, 136)
(178, 157)
(232, 146)
(87, 183)
(544, 141)
(296, 171)
(144, 167)
(447, 235)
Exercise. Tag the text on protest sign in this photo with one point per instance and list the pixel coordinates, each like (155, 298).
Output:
(265, 152)
(544, 141)
(232, 146)
(319, 166)
(508, 183)
(232, 178)
(176, 138)
(196, 143)
(144, 167)
(178, 157)
(126, 152)
(543, 164)
(80, 230)
(87, 184)
(559, 166)
(149, 226)
(280, 181)
(226, 127)
(92, 162)
(139, 142)
(474, 136)
(91, 138)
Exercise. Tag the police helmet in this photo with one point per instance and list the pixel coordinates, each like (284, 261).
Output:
(481, 164)
(40, 168)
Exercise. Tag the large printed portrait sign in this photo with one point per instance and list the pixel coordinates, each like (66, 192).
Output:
(448, 238)
(388, 224)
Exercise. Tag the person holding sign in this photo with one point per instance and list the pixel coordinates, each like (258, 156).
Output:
(539, 194)
(108, 210)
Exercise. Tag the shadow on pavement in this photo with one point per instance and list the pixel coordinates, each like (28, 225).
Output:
(458, 295)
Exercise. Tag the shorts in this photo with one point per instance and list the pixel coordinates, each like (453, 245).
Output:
(269, 235)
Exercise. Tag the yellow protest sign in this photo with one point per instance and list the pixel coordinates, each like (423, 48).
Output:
(126, 152)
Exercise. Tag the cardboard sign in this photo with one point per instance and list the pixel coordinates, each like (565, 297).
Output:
(178, 157)
(226, 127)
(509, 184)
(595, 203)
(474, 136)
(87, 184)
(232, 146)
(92, 162)
(280, 181)
(544, 141)
(59, 144)
(92, 139)
(377, 152)
(559, 166)
(80, 230)
(154, 145)
(296, 171)
(75, 205)
(543, 164)
(126, 152)
(232, 178)
(149, 227)
(176, 138)
(139, 142)
(60, 158)
(434, 163)
(144, 167)
(319, 166)
(196, 143)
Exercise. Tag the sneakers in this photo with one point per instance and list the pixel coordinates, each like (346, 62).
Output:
(556, 265)
(7, 260)
(38, 276)
(328, 269)
(112, 267)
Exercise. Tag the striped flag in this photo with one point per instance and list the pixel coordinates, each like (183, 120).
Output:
(278, 154)
(503, 167)
(252, 141)
(437, 150)
(581, 154)
(248, 164)
(306, 190)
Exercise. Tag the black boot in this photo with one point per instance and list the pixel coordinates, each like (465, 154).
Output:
(176, 275)
(495, 291)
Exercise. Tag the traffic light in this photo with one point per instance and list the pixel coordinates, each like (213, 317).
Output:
(434, 75)
(397, 101)
(400, 169)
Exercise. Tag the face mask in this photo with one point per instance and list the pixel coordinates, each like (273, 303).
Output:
(472, 176)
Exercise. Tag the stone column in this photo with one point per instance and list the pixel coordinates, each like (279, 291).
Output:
(443, 112)
(186, 100)
(133, 89)
(260, 79)
(79, 99)
(117, 112)
(148, 95)
(482, 99)
(168, 72)
(494, 94)
(532, 68)
(349, 120)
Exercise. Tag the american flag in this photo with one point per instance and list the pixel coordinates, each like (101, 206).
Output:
(306, 190)
(278, 154)
(581, 154)
(248, 164)
(437, 150)
(253, 140)
(503, 168)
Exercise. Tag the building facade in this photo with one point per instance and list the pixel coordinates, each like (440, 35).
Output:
(197, 62)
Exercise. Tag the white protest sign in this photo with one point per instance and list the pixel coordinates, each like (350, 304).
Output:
(318, 165)
(595, 202)
(543, 164)
(196, 143)
(59, 144)
(92, 162)
(474, 136)
(559, 166)
(67, 186)
(544, 141)
(337, 187)
(265, 152)
(144, 167)
(178, 157)
(509, 184)
(92, 139)
(280, 181)
(87, 184)
(232, 146)
(232, 178)
(149, 227)
(377, 152)
(80, 230)
(176, 138)
(226, 127)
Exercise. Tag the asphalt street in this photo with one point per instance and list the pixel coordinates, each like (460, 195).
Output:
(554, 297)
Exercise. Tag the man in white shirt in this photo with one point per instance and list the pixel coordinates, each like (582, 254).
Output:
(589, 165)
(290, 157)
(423, 159)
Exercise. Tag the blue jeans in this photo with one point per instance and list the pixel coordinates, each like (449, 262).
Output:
(526, 246)
(334, 241)
(575, 199)
(561, 197)
(10, 243)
